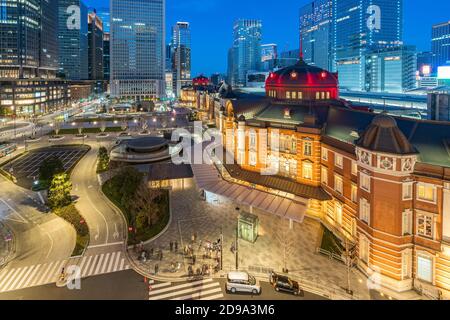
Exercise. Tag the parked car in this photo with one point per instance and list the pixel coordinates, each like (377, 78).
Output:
(242, 282)
(284, 284)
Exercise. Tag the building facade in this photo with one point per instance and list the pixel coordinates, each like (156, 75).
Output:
(73, 40)
(106, 56)
(391, 70)
(316, 22)
(440, 44)
(245, 54)
(269, 55)
(137, 49)
(181, 56)
(95, 47)
(379, 182)
(360, 26)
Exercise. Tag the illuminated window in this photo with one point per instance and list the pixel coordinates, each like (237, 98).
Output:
(338, 161)
(307, 148)
(354, 193)
(324, 154)
(307, 169)
(407, 227)
(322, 95)
(300, 95)
(252, 156)
(364, 249)
(407, 191)
(425, 225)
(365, 182)
(338, 184)
(317, 95)
(426, 192)
(354, 168)
(328, 95)
(294, 95)
(364, 210)
(324, 175)
(288, 94)
(338, 212)
(425, 268)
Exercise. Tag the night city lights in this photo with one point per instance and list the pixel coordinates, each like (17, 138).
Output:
(240, 158)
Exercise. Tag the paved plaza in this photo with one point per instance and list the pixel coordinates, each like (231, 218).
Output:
(192, 216)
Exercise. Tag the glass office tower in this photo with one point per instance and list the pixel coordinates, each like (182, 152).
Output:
(358, 27)
(246, 50)
(316, 33)
(95, 45)
(73, 39)
(181, 58)
(137, 49)
(440, 44)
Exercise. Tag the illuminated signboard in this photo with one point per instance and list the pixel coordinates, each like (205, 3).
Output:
(444, 73)
(426, 70)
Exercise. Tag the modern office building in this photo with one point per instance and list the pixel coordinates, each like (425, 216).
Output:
(73, 39)
(391, 70)
(269, 55)
(181, 56)
(425, 63)
(106, 56)
(440, 44)
(439, 105)
(28, 39)
(316, 22)
(137, 49)
(288, 58)
(104, 15)
(360, 26)
(217, 79)
(245, 53)
(95, 47)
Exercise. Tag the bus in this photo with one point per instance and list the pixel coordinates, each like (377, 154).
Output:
(7, 148)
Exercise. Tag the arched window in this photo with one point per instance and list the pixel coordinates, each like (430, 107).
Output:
(328, 95)
(317, 95)
(288, 94)
(300, 95)
(294, 95)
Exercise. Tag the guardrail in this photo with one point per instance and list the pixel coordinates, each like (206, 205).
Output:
(330, 255)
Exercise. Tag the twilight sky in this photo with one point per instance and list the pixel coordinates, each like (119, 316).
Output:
(212, 21)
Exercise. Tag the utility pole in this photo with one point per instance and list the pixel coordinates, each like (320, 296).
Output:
(236, 249)
(221, 248)
(349, 262)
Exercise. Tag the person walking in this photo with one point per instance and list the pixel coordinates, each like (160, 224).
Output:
(176, 246)
(171, 246)
(160, 255)
(156, 269)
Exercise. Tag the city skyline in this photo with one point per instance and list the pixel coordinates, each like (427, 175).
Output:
(211, 56)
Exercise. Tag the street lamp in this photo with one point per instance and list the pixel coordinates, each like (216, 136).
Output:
(13, 109)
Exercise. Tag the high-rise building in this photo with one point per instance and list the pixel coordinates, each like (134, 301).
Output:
(288, 58)
(440, 44)
(269, 54)
(181, 56)
(73, 39)
(28, 39)
(95, 46)
(245, 54)
(391, 70)
(425, 63)
(316, 22)
(137, 49)
(106, 56)
(360, 26)
(217, 79)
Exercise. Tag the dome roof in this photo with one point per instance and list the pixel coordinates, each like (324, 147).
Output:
(241, 118)
(302, 75)
(383, 135)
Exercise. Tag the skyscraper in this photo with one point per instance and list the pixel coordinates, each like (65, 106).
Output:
(137, 48)
(269, 54)
(73, 39)
(360, 26)
(316, 21)
(28, 39)
(181, 56)
(245, 54)
(106, 56)
(104, 15)
(95, 46)
(440, 44)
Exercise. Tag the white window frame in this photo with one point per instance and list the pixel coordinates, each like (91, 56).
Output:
(407, 222)
(425, 257)
(426, 185)
(339, 164)
(363, 178)
(354, 168)
(407, 191)
(364, 255)
(354, 193)
(407, 264)
(307, 167)
(338, 212)
(364, 210)
(324, 154)
(307, 145)
(427, 216)
(252, 158)
(341, 184)
(324, 175)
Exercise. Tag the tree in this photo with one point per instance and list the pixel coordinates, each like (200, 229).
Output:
(103, 160)
(59, 192)
(286, 238)
(49, 168)
(145, 204)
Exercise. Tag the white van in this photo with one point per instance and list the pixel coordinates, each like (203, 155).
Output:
(242, 282)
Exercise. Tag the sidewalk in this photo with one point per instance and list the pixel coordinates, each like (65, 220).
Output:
(6, 244)
(192, 215)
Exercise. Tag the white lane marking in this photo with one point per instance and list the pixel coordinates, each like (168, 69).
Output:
(116, 264)
(99, 264)
(161, 285)
(105, 245)
(111, 261)
(84, 270)
(179, 292)
(94, 263)
(22, 279)
(105, 263)
(44, 274)
(5, 276)
(199, 294)
(11, 279)
(54, 274)
(185, 285)
(83, 261)
(122, 262)
(215, 297)
(32, 276)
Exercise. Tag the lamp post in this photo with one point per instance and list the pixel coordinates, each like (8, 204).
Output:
(13, 109)
(236, 249)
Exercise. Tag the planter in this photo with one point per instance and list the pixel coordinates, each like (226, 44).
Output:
(56, 138)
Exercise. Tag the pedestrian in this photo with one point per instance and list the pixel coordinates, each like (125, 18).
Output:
(176, 246)
(151, 252)
(156, 269)
(171, 246)
(193, 259)
(161, 256)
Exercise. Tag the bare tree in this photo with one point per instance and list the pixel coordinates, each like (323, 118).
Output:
(145, 203)
(285, 236)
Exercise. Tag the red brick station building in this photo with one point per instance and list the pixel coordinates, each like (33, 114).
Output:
(381, 182)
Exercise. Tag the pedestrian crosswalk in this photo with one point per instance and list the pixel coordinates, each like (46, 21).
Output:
(12, 279)
(207, 289)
